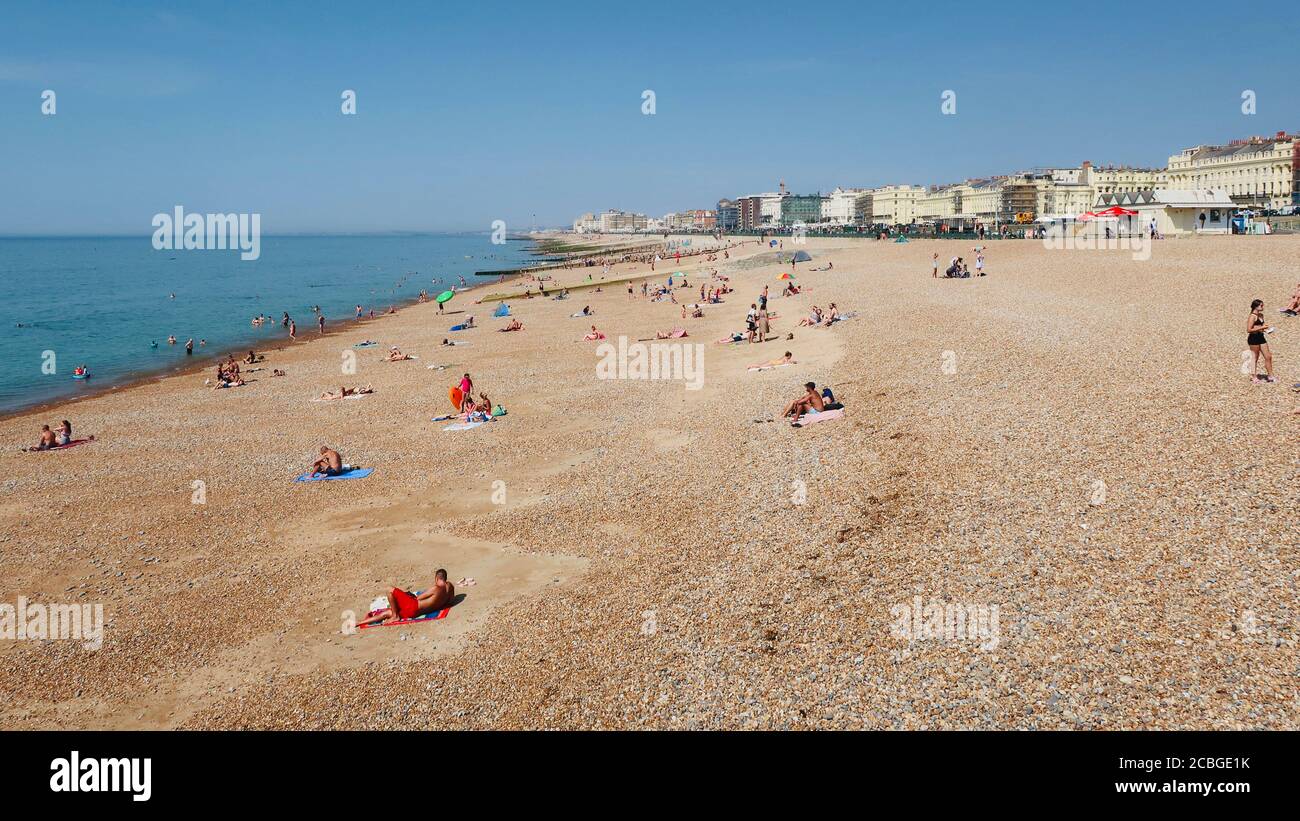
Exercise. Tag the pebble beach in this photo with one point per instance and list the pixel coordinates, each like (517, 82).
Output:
(1068, 445)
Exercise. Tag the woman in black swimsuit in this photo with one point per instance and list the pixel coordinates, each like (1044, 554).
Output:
(1255, 327)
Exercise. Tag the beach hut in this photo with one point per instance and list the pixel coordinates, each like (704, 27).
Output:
(1176, 211)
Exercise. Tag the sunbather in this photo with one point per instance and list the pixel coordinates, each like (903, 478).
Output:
(515, 325)
(344, 393)
(329, 463)
(788, 359)
(1293, 307)
(48, 440)
(811, 400)
(406, 605)
(395, 355)
(814, 318)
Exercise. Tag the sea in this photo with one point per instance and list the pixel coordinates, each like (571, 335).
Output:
(110, 303)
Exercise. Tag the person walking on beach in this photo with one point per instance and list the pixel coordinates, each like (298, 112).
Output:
(293, 330)
(358, 312)
(320, 321)
(934, 261)
(1256, 327)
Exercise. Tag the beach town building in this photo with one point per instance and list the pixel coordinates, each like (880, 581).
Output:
(586, 224)
(893, 204)
(749, 212)
(940, 203)
(770, 209)
(1117, 179)
(1259, 172)
(845, 206)
(981, 200)
(728, 215)
(1175, 212)
(700, 219)
(621, 222)
(803, 209)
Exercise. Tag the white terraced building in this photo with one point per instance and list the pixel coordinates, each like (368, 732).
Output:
(845, 206)
(894, 204)
(1261, 172)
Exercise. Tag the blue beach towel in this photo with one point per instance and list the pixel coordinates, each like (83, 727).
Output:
(355, 473)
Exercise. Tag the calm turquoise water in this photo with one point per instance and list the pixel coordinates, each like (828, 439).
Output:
(100, 301)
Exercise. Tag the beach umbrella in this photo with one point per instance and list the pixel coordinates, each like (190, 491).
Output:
(802, 256)
(445, 296)
(786, 275)
(1115, 211)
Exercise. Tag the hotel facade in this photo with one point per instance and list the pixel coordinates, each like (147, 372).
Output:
(1259, 172)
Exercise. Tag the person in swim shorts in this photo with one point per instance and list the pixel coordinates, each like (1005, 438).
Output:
(403, 604)
(329, 463)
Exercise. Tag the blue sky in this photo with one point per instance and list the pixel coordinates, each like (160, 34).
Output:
(473, 112)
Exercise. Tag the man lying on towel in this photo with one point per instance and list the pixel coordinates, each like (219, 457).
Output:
(811, 400)
(405, 605)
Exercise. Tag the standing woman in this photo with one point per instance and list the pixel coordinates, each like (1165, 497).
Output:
(1255, 328)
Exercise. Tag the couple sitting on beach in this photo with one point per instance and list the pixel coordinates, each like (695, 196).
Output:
(395, 355)
(817, 317)
(812, 402)
(515, 325)
(344, 393)
(54, 439)
(593, 336)
(403, 604)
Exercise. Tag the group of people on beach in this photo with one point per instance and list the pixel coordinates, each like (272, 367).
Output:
(228, 374)
(958, 267)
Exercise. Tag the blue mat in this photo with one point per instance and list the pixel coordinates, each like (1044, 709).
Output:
(355, 473)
